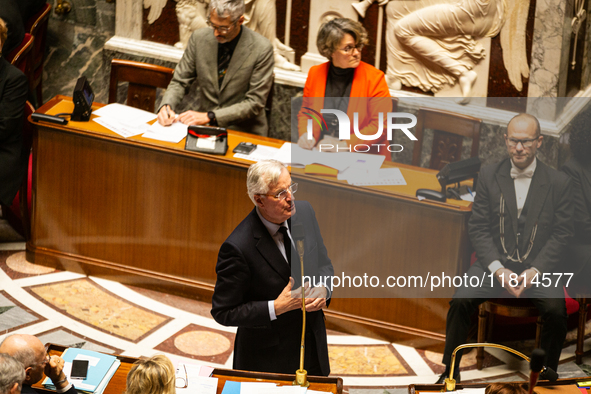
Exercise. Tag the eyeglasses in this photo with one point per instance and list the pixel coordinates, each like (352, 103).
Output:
(527, 143)
(348, 50)
(221, 29)
(282, 195)
(182, 383)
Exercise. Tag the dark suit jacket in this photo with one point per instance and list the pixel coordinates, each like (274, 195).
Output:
(549, 205)
(251, 271)
(13, 161)
(239, 104)
(10, 13)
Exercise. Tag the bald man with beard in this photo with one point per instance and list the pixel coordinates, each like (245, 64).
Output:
(32, 354)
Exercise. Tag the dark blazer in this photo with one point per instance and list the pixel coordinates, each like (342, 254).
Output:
(13, 161)
(251, 271)
(549, 205)
(10, 13)
(239, 104)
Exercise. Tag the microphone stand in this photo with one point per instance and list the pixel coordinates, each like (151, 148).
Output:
(450, 383)
(301, 374)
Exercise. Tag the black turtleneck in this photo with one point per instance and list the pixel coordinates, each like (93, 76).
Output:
(338, 91)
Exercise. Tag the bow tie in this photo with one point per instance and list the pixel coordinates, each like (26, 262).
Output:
(516, 173)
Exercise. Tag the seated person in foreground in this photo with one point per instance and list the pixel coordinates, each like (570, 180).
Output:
(234, 68)
(253, 290)
(341, 84)
(12, 375)
(14, 88)
(33, 356)
(522, 219)
(154, 375)
(578, 254)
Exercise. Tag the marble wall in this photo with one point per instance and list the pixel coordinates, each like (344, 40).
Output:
(74, 47)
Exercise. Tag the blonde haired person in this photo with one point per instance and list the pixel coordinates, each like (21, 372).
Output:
(154, 375)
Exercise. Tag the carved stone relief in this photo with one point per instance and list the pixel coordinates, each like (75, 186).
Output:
(433, 43)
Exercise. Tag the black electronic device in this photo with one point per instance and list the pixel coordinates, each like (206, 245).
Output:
(207, 139)
(245, 148)
(83, 98)
(49, 118)
(458, 171)
(79, 369)
(431, 195)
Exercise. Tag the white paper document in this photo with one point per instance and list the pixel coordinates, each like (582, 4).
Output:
(196, 382)
(269, 388)
(125, 114)
(381, 177)
(260, 153)
(122, 129)
(92, 361)
(173, 133)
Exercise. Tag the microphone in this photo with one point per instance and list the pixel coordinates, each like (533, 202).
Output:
(298, 235)
(536, 364)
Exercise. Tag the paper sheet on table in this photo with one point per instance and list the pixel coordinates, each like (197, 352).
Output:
(197, 383)
(122, 129)
(125, 114)
(262, 152)
(92, 361)
(269, 388)
(173, 133)
(468, 197)
(473, 391)
(381, 177)
(340, 161)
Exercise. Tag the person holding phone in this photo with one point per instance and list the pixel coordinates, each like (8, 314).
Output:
(29, 350)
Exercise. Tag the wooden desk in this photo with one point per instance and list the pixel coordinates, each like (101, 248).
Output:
(118, 382)
(149, 213)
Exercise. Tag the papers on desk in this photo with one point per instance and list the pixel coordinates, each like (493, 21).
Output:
(173, 133)
(101, 368)
(381, 177)
(128, 122)
(198, 379)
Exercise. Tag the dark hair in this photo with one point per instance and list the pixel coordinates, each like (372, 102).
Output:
(332, 32)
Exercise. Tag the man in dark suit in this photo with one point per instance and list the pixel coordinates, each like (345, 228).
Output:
(31, 353)
(253, 290)
(234, 68)
(521, 220)
(13, 96)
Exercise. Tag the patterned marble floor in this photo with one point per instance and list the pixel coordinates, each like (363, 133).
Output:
(93, 313)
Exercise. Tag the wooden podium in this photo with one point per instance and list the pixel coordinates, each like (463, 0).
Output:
(118, 382)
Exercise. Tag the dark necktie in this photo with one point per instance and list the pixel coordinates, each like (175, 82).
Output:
(286, 244)
(223, 62)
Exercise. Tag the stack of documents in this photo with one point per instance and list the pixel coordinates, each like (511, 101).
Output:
(129, 121)
(197, 379)
(101, 368)
(264, 388)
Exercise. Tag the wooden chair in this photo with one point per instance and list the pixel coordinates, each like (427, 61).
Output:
(510, 307)
(37, 27)
(18, 214)
(21, 57)
(449, 131)
(143, 80)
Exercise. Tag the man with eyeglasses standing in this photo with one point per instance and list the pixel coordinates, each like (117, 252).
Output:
(31, 353)
(254, 283)
(233, 67)
(522, 218)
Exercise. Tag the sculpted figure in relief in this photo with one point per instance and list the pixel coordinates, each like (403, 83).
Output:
(433, 42)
